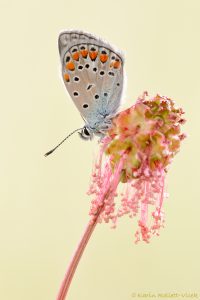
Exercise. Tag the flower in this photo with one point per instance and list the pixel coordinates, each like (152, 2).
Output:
(136, 152)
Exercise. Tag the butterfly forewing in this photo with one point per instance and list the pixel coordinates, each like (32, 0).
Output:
(92, 71)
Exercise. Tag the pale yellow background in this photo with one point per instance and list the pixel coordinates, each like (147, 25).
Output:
(43, 204)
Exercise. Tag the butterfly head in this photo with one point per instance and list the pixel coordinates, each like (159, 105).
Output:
(86, 133)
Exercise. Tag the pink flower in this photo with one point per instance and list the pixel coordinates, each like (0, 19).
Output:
(136, 152)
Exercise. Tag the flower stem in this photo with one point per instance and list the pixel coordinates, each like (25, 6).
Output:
(76, 257)
(110, 188)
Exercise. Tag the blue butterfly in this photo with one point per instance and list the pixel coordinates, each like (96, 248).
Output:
(93, 73)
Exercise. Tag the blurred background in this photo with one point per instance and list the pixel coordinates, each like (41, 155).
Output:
(43, 202)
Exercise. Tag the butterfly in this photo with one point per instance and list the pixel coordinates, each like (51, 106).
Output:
(93, 74)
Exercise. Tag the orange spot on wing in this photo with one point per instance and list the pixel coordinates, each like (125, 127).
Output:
(116, 64)
(66, 77)
(75, 56)
(70, 66)
(84, 53)
(103, 58)
(93, 54)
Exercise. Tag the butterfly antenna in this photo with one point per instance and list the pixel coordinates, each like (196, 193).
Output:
(52, 150)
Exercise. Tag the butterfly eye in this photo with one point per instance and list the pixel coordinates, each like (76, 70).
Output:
(103, 52)
(102, 73)
(94, 69)
(74, 50)
(96, 96)
(87, 66)
(75, 94)
(118, 84)
(113, 57)
(105, 94)
(76, 78)
(80, 67)
(111, 74)
(86, 132)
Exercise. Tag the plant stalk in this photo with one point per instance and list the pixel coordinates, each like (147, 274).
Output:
(76, 257)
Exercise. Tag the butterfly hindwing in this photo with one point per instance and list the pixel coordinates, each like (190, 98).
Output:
(92, 71)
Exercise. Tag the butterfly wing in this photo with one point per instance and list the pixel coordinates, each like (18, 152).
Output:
(92, 71)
